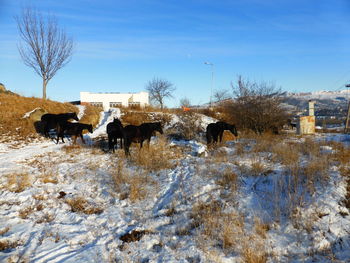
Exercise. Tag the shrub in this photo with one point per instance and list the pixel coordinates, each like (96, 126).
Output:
(257, 106)
(189, 127)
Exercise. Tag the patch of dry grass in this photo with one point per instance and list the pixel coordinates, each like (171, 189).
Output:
(156, 156)
(135, 185)
(286, 153)
(91, 115)
(25, 212)
(17, 182)
(8, 244)
(219, 228)
(135, 117)
(81, 205)
(4, 230)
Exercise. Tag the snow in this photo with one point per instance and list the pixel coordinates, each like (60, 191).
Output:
(52, 232)
(27, 114)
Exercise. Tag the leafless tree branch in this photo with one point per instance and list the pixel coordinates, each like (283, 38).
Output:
(44, 47)
(159, 89)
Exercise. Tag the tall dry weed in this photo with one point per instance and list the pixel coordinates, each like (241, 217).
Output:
(156, 156)
(133, 184)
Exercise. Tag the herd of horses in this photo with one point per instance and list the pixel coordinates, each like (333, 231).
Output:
(116, 131)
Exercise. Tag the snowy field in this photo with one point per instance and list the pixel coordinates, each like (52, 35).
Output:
(177, 201)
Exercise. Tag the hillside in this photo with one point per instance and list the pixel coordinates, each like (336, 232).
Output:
(16, 122)
(328, 103)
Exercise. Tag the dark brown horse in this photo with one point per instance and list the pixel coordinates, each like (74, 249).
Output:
(73, 129)
(139, 134)
(50, 121)
(115, 131)
(215, 131)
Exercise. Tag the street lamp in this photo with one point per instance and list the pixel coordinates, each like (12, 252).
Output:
(212, 79)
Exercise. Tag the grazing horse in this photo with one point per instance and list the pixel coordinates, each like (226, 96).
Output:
(114, 131)
(140, 133)
(74, 129)
(50, 121)
(215, 130)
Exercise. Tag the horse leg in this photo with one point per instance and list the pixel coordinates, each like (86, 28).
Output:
(126, 147)
(121, 142)
(220, 135)
(82, 138)
(208, 138)
(215, 138)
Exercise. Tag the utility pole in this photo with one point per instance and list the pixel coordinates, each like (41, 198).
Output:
(347, 122)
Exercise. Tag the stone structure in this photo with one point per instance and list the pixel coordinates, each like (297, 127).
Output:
(306, 124)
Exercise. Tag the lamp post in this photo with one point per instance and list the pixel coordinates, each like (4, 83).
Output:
(212, 80)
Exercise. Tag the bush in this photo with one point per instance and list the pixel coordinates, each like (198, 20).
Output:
(257, 106)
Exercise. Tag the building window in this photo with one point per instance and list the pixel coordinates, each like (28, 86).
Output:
(134, 104)
(97, 104)
(115, 104)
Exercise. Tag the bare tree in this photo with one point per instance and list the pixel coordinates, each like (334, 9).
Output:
(257, 106)
(185, 102)
(160, 89)
(220, 95)
(44, 47)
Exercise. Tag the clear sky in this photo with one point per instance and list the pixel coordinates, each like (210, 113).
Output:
(300, 45)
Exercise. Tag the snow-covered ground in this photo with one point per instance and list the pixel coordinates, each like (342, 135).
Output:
(80, 204)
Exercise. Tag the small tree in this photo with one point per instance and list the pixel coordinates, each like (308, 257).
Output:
(185, 102)
(220, 95)
(160, 89)
(257, 106)
(45, 47)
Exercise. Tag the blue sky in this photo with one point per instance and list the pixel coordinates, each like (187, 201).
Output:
(120, 45)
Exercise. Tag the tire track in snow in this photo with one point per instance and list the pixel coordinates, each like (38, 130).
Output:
(177, 176)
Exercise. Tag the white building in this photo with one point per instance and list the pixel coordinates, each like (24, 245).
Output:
(108, 100)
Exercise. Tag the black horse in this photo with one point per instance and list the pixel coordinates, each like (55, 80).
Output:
(73, 129)
(215, 130)
(115, 130)
(50, 121)
(140, 133)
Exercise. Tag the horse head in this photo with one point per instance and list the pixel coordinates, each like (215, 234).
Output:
(233, 130)
(117, 121)
(158, 127)
(74, 116)
(90, 128)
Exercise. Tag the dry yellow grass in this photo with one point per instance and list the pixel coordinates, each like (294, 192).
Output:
(135, 185)
(7, 244)
(81, 205)
(91, 115)
(157, 156)
(13, 107)
(17, 182)
(25, 212)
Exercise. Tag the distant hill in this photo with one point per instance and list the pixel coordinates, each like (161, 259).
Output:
(328, 103)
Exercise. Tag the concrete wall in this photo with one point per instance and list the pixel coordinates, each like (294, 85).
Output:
(306, 125)
(123, 99)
